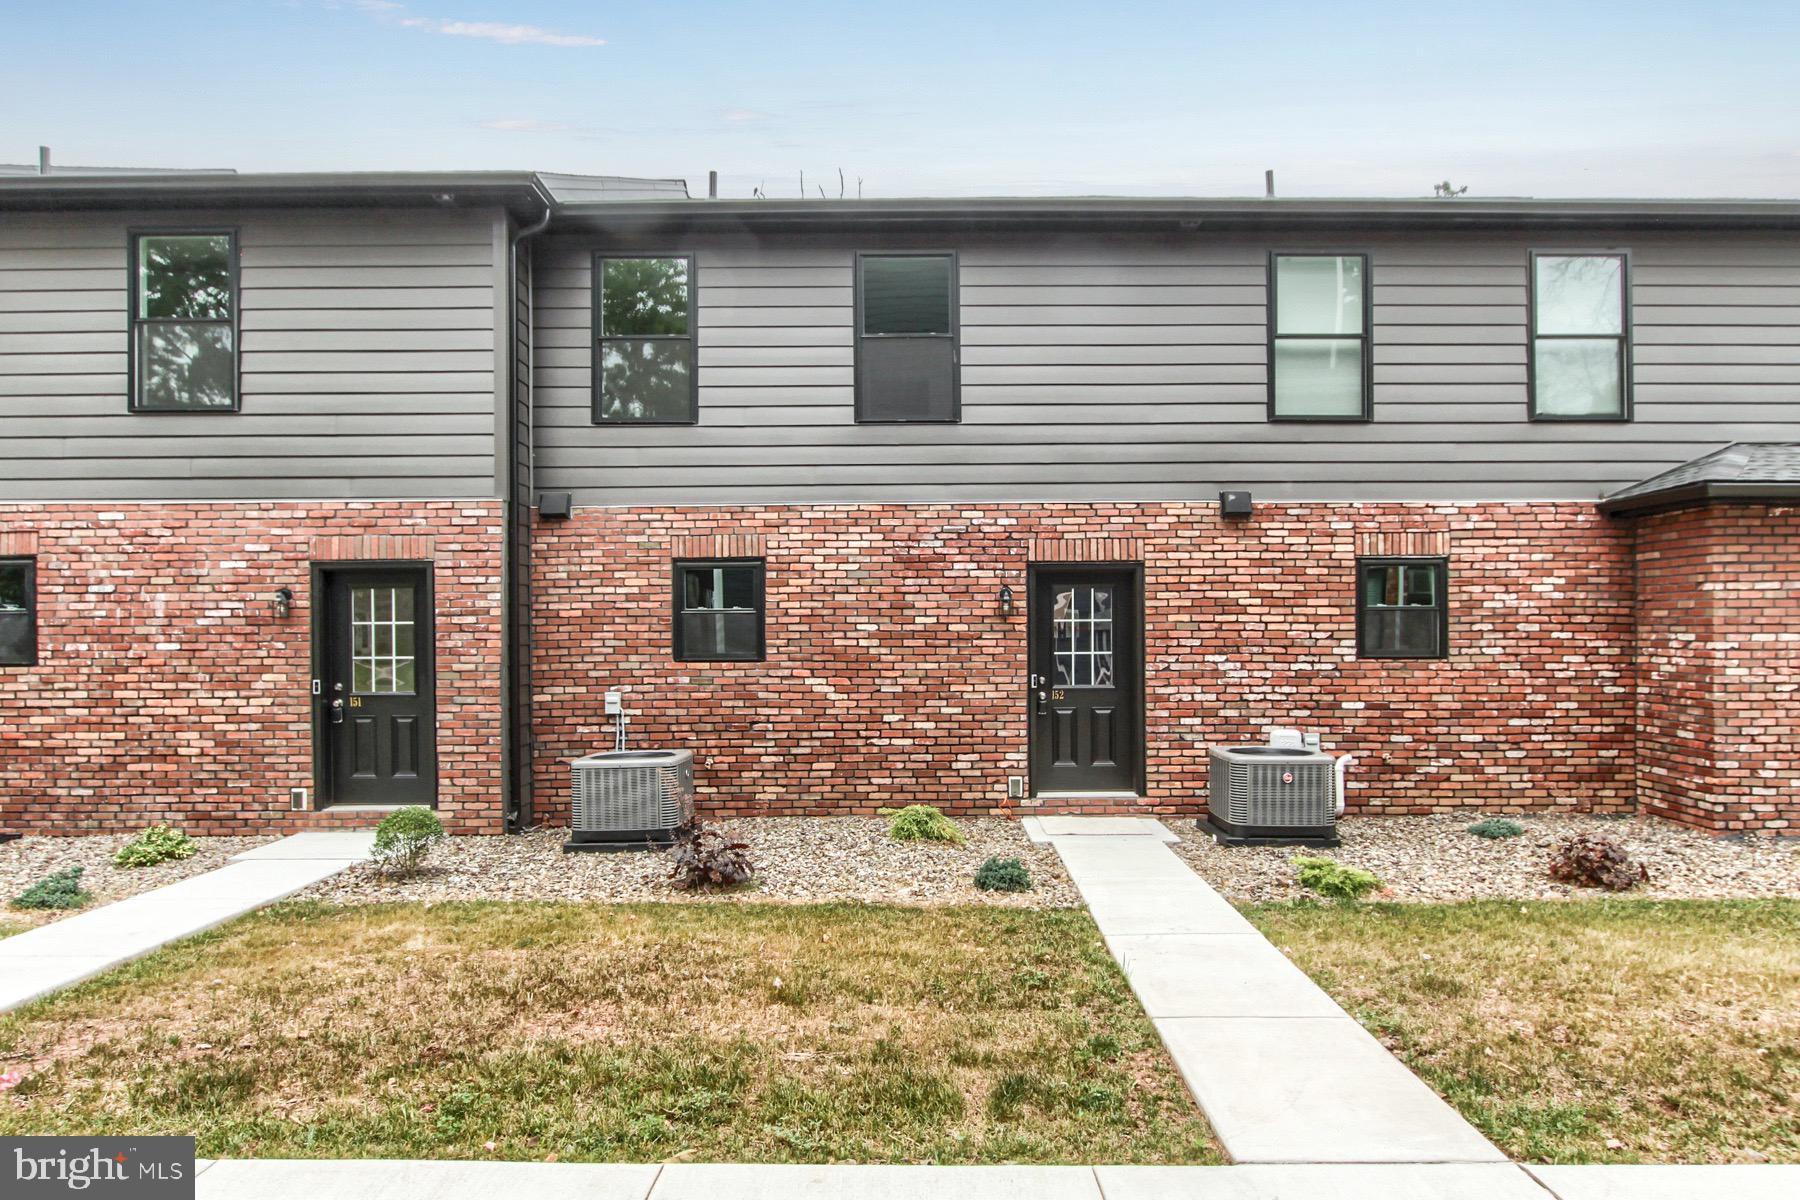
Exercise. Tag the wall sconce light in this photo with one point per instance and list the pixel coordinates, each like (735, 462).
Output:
(283, 602)
(1235, 504)
(1006, 600)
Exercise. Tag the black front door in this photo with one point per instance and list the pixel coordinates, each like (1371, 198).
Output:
(1087, 683)
(377, 701)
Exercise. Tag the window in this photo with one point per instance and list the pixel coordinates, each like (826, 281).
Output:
(1401, 610)
(1580, 343)
(644, 341)
(719, 611)
(383, 659)
(1083, 626)
(1319, 337)
(18, 612)
(906, 339)
(184, 322)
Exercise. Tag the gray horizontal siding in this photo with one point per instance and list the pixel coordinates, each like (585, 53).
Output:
(367, 356)
(1135, 367)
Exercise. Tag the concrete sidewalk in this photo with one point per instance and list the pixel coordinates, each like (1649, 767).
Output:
(1283, 1074)
(326, 1179)
(63, 953)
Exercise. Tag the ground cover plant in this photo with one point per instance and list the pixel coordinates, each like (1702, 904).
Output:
(1496, 829)
(921, 823)
(1615, 1030)
(746, 1032)
(59, 890)
(1332, 879)
(702, 857)
(1003, 875)
(157, 844)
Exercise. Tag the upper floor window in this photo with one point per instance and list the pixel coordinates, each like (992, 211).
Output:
(184, 322)
(719, 610)
(644, 341)
(1401, 608)
(18, 612)
(906, 338)
(1580, 338)
(1319, 337)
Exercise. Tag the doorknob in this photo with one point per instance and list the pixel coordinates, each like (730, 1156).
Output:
(1043, 698)
(337, 712)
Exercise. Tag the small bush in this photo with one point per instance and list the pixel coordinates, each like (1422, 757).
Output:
(159, 843)
(1002, 875)
(706, 858)
(403, 838)
(61, 890)
(921, 823)
(1333, 879)
(1590, 860)
(1495, 828)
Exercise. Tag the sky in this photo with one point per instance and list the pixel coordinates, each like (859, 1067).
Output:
(1522, 98)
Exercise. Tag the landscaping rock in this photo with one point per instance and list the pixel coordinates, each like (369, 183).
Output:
(797, 860)
(1436, 858)
(25, 861)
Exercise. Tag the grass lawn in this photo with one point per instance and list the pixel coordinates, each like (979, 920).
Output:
(1597, 1031)
(745, 1032)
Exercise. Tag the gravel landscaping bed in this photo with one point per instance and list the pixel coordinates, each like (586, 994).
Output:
(1436, 858)
(25, 861)
(797, 859)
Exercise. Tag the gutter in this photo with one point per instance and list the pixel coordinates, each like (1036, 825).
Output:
(1695, 495)
(517, 814)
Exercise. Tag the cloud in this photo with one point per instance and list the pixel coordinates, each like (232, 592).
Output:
(527, 125)
(742, 116)
(495, 31)
(506, 33)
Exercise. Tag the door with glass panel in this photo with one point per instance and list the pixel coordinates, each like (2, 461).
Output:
(1086, 681)
(376, 684)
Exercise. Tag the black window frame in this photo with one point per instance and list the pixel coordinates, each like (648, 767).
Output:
(1623, 337)
(678, 606)
(1367, 336)
(692, 338)
(1442, 566)
(134, 236)
(29, 562)
(954, 337)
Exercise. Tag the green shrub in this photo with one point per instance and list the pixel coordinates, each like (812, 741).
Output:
(1333, 879)
(1495, 828)
(1002, 875)
(921, 823)
(61, 890)
(159, 843)
(404, 836)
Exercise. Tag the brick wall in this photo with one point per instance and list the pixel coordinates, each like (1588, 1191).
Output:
(167, 690)
(1718, 660)
(891, 678)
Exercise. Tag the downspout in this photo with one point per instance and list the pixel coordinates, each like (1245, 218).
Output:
(516, 818)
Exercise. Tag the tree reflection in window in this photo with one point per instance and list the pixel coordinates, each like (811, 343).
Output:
(644, 340)
(184, 337)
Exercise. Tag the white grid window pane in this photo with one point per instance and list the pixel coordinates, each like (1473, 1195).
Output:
(1082, 637)
(382, 659)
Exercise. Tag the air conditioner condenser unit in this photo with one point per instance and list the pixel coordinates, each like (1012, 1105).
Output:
(628, 799)
(1271, 795)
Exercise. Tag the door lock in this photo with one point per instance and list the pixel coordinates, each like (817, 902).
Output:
(337, 712)
(1043, 702)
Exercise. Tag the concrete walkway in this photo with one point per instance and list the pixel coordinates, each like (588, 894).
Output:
(276, 1179)
(63, 953)
(1283, 1074)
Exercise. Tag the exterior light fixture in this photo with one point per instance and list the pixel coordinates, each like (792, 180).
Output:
(1234, 504)
(1006, 600)
(283, 602)
(554, 506)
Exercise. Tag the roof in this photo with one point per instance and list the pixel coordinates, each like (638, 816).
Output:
(525, 192)
(1743, 471)
(57, 169)
(616, 201)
